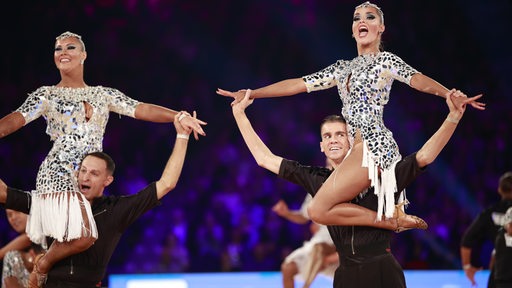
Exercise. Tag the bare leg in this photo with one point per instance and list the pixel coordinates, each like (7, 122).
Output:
(11, 282)
(57, 252)
(344, 184)
(330, 207)
(60, 250)
(288, 271)
(319, 252)
(349, 214)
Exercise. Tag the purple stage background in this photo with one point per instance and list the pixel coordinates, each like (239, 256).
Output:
(176, 53)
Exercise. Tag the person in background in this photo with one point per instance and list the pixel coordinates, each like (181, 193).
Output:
(503, 253)
(314, 256)
(18, 222)
(485, 228)
(19, 253)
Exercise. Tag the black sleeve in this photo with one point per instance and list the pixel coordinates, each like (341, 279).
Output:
(308, 177)
(476, 232)
(129, 208)
(406, 171)
(18, 200)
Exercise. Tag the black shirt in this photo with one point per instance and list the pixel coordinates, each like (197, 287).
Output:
(486, 224)
(503, 261)
(349, 238)
(113, 214)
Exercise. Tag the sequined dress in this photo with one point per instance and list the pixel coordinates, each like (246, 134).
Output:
(364, 84)
(13, 266)
(57, 204)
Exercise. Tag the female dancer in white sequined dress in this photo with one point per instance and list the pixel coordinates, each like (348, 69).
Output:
(76, 116)
(364, 84)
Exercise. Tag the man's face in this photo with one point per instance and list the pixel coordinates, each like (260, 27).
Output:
(334, 144)
(18, 220)
(93, 177)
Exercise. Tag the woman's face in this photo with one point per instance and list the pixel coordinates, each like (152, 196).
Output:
(18, 220)
(367, 26)
(68, 53)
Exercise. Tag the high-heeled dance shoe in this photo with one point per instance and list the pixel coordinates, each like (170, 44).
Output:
(37, 278)
(406, 222)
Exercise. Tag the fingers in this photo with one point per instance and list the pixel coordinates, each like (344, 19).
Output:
(192, 124)
(475, 104)
(225, 93)
(197, 127)
(471, 101)
(196, 135)
(247, 94)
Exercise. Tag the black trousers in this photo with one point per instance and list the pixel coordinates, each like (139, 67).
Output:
(373, 267)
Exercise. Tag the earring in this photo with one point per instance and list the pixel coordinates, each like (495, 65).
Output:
(352, 35)
(82, 62)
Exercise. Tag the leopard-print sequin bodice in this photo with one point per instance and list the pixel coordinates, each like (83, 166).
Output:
(364, 84)
(76, 120)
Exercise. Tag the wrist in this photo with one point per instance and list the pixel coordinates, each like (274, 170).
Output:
(452, 119)
(182, 136)
(181, 117)
(182, 114)
(466, 266)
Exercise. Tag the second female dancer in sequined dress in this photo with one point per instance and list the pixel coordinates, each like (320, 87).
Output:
(364, 85)
(76, 116)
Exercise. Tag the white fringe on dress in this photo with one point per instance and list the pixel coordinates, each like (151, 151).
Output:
(384, 186)
(59, 215)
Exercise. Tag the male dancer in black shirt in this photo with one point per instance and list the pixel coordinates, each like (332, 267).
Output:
(503, 253)
(485, 228)
(364, 252)
(113, 214)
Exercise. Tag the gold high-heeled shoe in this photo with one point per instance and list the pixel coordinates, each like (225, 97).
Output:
(402, 219)
(37, 278)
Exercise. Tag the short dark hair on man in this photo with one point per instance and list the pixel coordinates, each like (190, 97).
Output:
(111, 165)
(505, 184)
(332, 118)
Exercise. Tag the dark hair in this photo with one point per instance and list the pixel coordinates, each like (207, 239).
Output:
(505, 184)
(111, 165)
(332, 118)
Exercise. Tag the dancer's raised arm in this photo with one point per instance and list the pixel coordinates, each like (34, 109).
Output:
(288, 87)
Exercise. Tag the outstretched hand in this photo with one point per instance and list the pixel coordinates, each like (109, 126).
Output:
(237, 96)
(191, 123)
(460, 100)
(281, 208)
(243, 102)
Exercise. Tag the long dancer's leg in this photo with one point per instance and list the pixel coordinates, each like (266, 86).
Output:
(60, 250)
(344, 184)
(330, 207)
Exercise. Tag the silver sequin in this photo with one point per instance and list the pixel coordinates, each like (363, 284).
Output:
(74, 135)
(364, 84)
